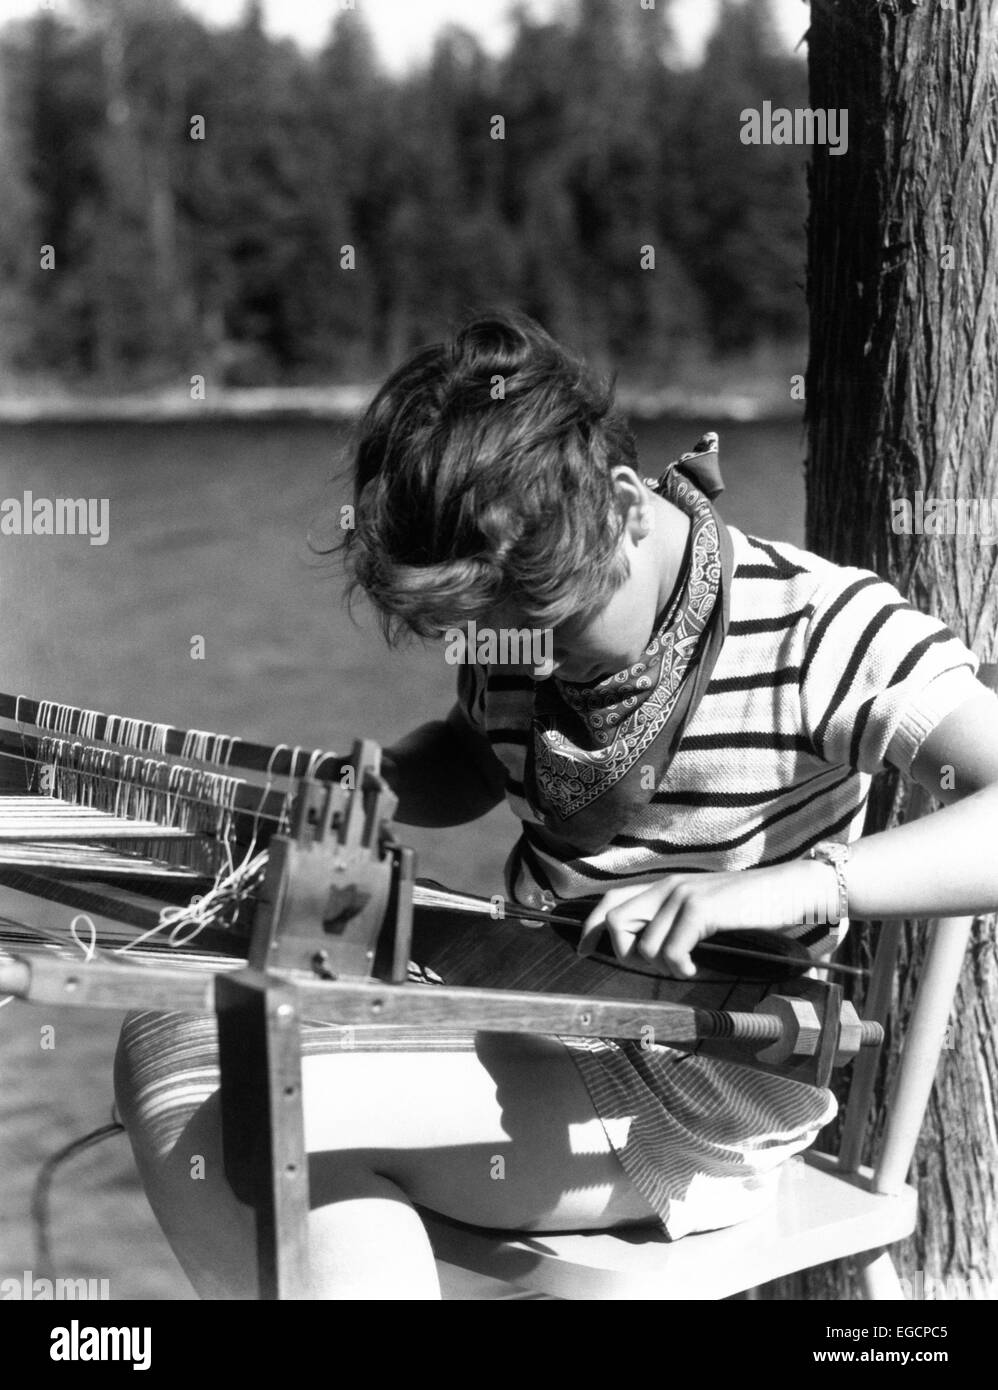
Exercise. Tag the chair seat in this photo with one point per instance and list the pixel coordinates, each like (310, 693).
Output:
(818, 1215)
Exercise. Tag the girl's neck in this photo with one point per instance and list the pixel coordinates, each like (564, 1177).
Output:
(672, 531)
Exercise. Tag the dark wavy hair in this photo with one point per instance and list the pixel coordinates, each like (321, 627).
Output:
(482, 476)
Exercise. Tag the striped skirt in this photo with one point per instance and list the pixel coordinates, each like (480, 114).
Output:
(702, 1140)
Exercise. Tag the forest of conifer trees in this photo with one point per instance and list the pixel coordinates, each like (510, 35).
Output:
(172, 253)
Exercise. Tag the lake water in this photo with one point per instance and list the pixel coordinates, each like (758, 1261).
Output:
(206, 538)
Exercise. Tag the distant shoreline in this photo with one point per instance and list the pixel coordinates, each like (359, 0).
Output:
(342, 404)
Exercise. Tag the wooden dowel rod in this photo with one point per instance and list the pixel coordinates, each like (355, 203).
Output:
(122, 985)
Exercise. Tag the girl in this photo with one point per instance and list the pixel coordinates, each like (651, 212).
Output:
(714, 710)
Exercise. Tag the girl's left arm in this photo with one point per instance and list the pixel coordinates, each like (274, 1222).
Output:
(945, 864)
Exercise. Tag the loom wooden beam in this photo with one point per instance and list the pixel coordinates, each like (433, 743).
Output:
(42, 979)
(372, 1003)
(263, 1131)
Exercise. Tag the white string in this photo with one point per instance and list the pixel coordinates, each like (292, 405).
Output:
(185, 922)
(90, 948)
(232, 882)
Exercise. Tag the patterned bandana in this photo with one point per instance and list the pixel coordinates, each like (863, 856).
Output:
(592, 745)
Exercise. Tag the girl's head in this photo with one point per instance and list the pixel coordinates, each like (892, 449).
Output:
(495, 480)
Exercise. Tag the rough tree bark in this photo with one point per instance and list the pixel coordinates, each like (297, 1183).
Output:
(902, 395)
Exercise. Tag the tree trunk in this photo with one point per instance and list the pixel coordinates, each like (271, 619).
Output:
(902, 397)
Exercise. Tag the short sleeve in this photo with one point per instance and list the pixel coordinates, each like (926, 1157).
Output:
(876, 675)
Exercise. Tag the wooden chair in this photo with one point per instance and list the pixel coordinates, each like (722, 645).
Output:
(829, 1206)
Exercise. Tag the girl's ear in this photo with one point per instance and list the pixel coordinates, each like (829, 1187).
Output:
(632, 501)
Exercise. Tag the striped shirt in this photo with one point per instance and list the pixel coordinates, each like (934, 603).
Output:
(827, 675)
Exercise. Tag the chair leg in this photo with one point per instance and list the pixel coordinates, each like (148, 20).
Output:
(877, 1276)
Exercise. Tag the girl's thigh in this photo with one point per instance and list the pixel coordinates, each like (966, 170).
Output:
(502, 1133)
(497, 1131)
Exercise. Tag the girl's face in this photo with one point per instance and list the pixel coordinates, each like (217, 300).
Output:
(615, 638)
(653, 541)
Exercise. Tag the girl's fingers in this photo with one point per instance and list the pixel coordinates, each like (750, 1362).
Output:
(656, 933)
(625, 909)
(689, 930)
(609, 900)
(685, 933)
(624, 940)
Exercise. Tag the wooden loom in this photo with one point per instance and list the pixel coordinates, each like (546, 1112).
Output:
(116, 824)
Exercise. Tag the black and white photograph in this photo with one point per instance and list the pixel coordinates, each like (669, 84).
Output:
(499, 679)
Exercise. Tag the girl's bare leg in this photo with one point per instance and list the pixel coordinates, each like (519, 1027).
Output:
(501, 1134)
